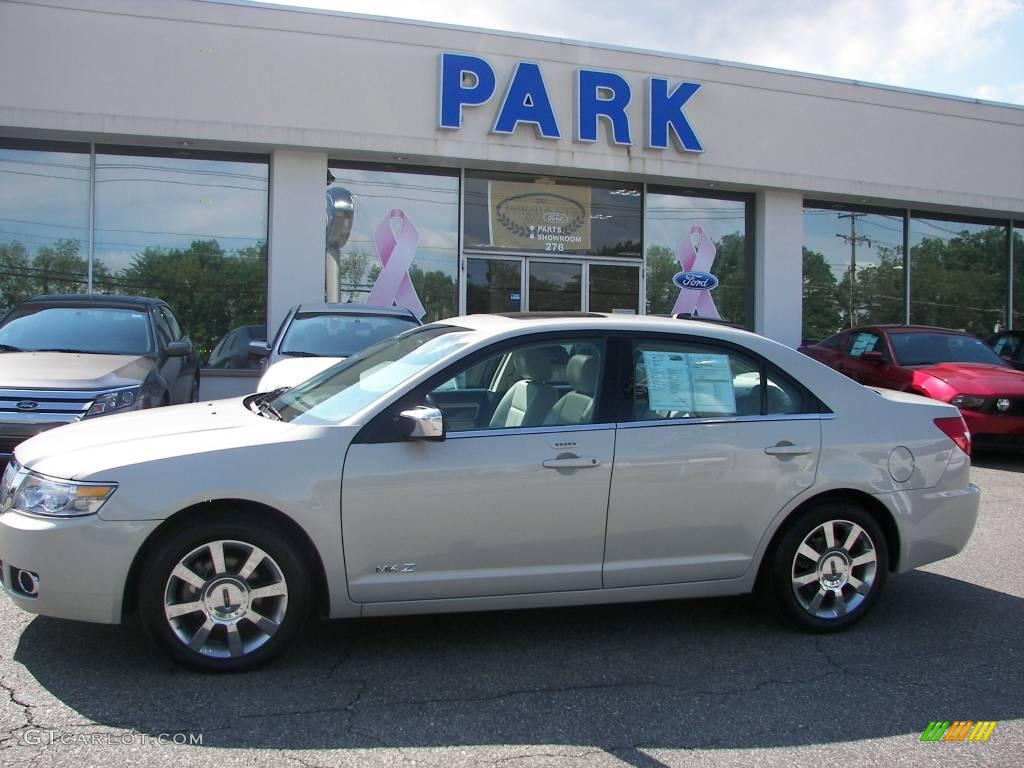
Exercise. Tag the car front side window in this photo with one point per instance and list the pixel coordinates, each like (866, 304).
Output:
(544, 383)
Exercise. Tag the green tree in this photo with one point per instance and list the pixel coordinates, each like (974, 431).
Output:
(16, 282)
(821, 315)
(210, 291)
(436, 291)
(878, 295)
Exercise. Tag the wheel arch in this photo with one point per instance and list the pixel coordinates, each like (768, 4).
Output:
(869, 503)
(196, 513)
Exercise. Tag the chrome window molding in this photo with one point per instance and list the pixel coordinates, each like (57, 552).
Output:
(544, 430)
(728, 420)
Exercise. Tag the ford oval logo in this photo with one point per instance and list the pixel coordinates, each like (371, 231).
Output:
(695, 281)
(555, 217)
(27, 405)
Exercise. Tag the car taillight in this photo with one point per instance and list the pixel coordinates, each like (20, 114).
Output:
(955, 428)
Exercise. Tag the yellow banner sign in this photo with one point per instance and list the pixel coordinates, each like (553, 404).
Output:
(539, 217)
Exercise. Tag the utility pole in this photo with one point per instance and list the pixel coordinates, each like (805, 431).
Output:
(853, 238)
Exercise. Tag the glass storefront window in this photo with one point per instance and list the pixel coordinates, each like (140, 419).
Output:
(402, 248)
(958, 274)
(190, 230)
(556, 287)
(44, 220)
(852, 268)
(685, 233)
(493, 285)
(614, 288)
(1018, 275)
(509, 213)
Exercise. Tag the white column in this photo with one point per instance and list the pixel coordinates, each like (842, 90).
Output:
(778, 266)
(298, 237)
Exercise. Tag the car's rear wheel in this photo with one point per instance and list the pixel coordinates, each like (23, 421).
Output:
(829, 567)
(224, 595)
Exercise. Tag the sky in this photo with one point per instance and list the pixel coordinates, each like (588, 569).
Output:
(971, 48)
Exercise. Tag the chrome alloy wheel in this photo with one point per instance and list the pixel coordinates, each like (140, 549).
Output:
(834, 569)
(225, 599)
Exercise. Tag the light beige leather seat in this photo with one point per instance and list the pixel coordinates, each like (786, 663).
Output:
(529, 400)
(577, 406)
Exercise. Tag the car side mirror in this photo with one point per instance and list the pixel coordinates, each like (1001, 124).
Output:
(178, 348)
(873, 357)
(421, 423)
(259, 348)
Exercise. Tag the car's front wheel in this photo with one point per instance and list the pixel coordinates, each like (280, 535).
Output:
(829, 567)
(224, 595)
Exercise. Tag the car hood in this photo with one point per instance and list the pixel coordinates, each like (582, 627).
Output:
(69, 370)
(294, 370)
(88, 447)
(977, 378)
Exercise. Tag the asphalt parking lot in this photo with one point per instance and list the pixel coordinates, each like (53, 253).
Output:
(709, 682)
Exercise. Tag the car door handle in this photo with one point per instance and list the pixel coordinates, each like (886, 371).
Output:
(572, 462)
(786, 448)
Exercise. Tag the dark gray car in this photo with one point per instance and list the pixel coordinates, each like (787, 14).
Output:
(66, 358)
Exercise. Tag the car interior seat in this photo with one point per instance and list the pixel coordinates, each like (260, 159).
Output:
(530, 399)
(577, 406)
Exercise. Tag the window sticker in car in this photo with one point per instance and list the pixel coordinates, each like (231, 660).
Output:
(689, 383)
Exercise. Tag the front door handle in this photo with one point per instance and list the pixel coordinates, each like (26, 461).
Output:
(786, 448)
(572, 462)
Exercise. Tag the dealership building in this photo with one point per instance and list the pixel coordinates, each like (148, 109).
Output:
(190, 149)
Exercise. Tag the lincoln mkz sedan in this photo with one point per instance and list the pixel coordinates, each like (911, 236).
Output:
(490, 462)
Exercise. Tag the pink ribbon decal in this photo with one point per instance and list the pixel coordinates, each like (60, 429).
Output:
(696, 253)
(393, 285)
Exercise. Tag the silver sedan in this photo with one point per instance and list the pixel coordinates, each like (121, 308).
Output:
(490, 462)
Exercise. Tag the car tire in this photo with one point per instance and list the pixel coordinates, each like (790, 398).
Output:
(196, 593)
(830, 567)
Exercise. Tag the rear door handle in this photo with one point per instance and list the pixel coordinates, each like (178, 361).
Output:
(786, 448)
(572, 462)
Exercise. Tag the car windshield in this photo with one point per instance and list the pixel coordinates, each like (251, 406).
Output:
(926, 348)
(343, 389)
(339, 335)
(97, 330)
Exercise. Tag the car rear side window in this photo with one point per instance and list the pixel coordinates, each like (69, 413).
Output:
(682, 380)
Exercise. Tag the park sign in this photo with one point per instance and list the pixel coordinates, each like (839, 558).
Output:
(469, 81)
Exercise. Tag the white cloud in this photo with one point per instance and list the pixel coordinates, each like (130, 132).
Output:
(910, 43)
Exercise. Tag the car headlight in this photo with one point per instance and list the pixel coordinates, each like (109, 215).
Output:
(40, 495)
(116, 399)
(971, 402)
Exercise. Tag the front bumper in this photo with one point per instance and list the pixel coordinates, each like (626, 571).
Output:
(1001, 425)
(17, 428)
(81, 564)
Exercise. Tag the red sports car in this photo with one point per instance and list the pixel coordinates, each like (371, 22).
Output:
(947, 365)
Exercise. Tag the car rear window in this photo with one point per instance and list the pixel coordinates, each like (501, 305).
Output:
(336, 335)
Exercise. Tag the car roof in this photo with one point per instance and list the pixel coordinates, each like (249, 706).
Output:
(97, 299)
(524, 322)
(354, 309)
(911, 328)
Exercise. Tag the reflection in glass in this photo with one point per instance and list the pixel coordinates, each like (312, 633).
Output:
(614, 287)
(853, 269)
(189, 230)
(958, 274)
(493, 285)
(555, 287)
(668, 223)
(410, 221)
(44, 221)
(527, 214)
(1018, 277)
